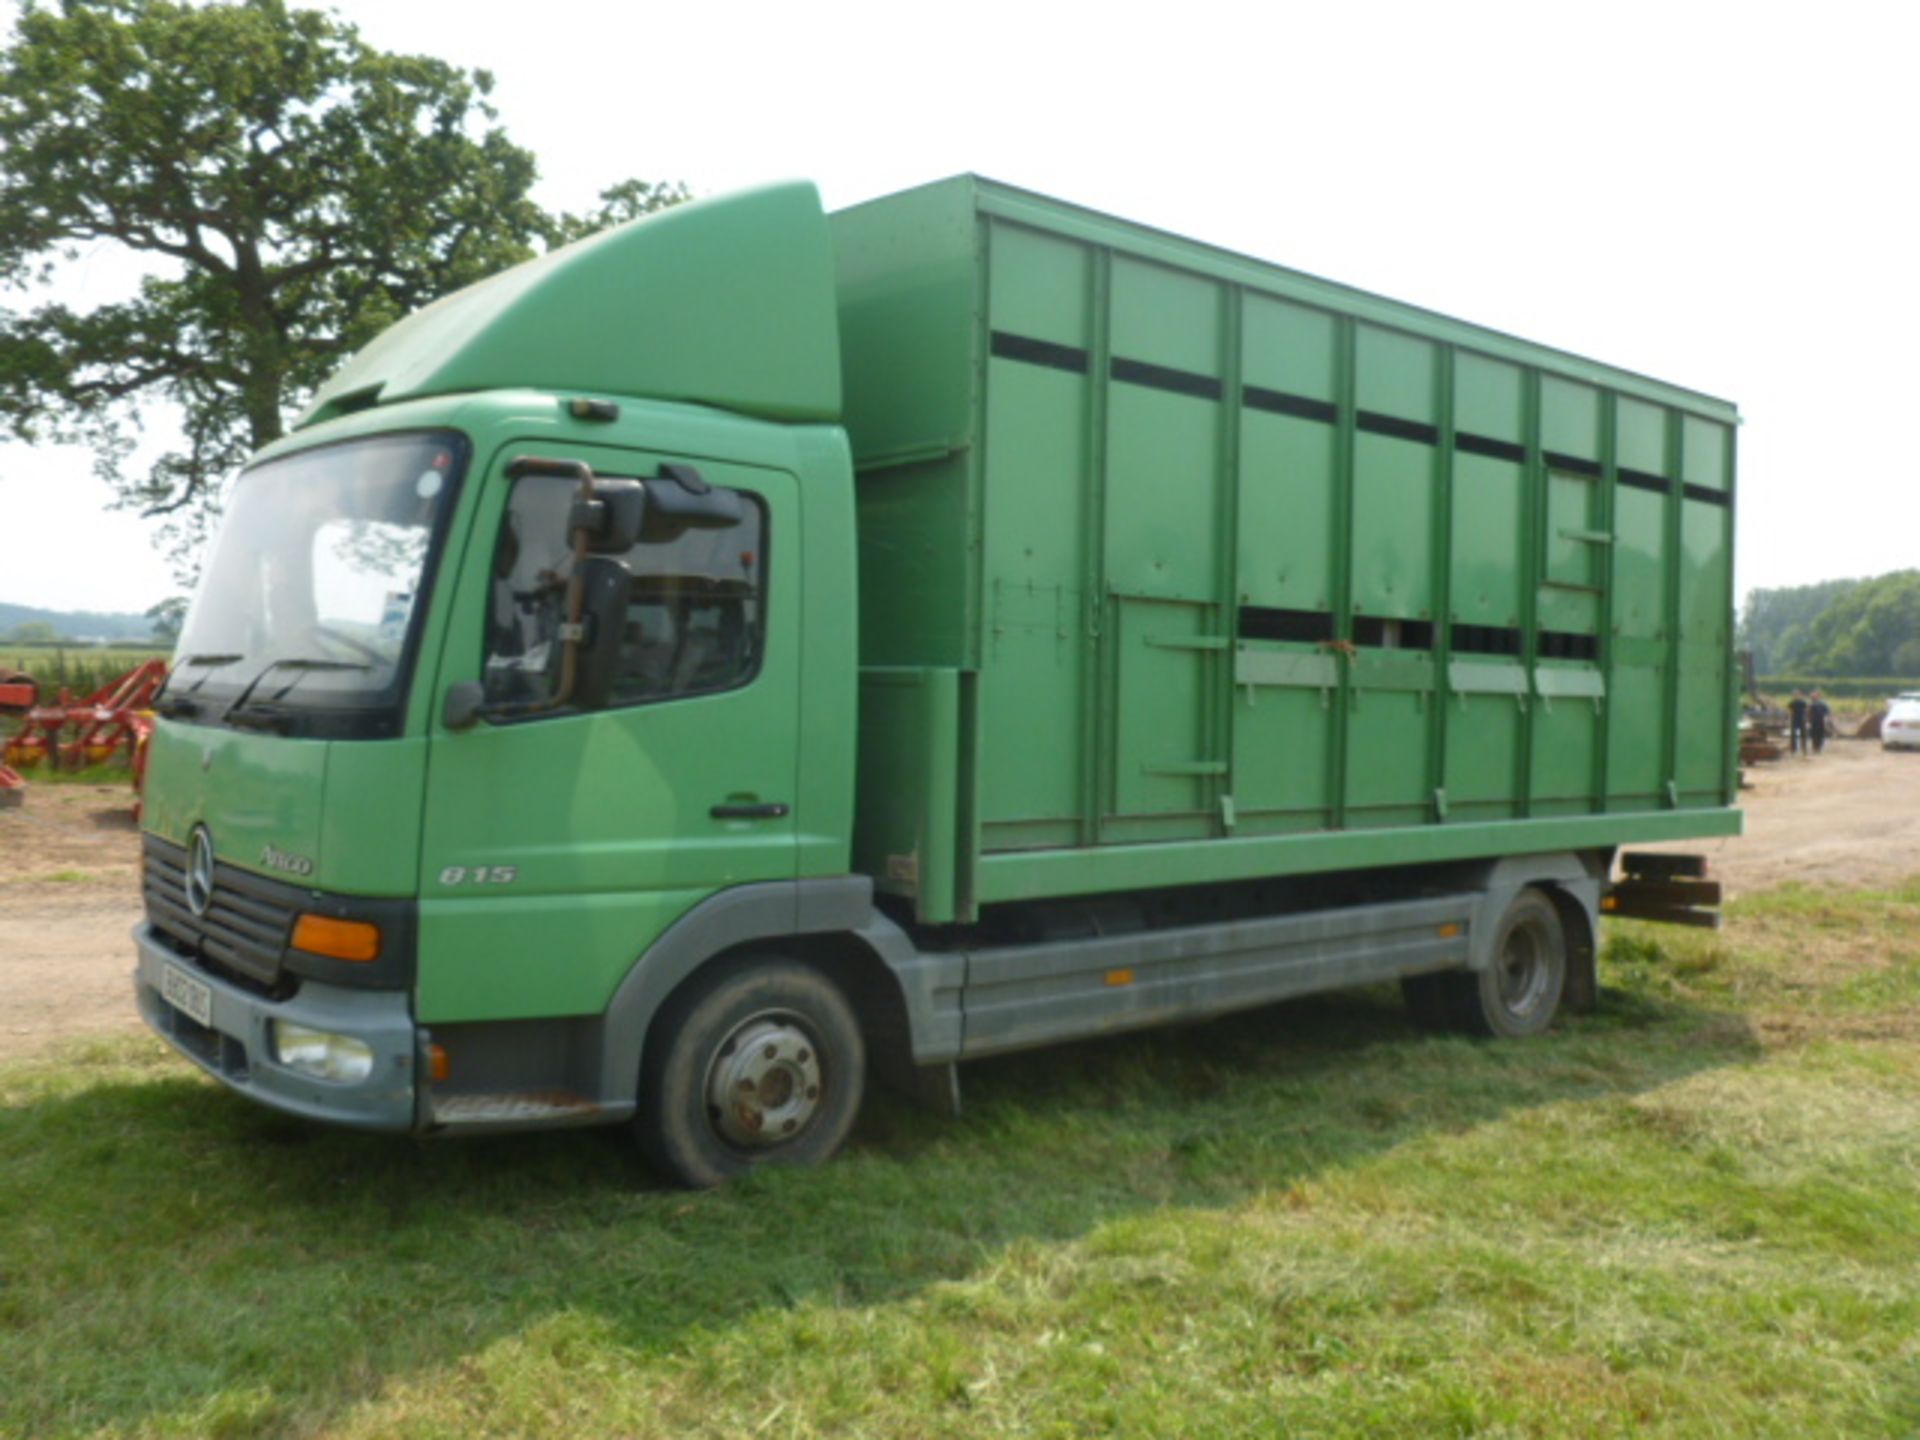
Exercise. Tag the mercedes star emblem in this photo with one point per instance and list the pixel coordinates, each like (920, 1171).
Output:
(199, 870)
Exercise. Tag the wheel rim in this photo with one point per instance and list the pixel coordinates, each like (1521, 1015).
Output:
(1525, 975)
(764, 1086)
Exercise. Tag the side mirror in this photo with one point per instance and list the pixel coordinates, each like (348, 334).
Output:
(604, 585)
(679, 500)
(612, 518)
(463, 705)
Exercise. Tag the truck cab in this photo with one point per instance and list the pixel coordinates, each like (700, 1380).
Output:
(390, 861)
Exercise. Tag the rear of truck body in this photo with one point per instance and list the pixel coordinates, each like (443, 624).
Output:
(1223, 634)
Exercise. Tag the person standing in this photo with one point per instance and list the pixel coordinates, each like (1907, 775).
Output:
(1797, 723)
(1817, 717)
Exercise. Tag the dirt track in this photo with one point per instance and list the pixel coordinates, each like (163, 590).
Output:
(69, 895)
(1849, 817)
(69, 877)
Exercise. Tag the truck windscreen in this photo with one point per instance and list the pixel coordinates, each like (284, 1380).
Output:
(308, 612)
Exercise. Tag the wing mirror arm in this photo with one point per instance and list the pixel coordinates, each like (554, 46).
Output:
(605, 519)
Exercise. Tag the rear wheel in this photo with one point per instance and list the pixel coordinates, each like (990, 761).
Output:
(1518, 994)
(760, 1062)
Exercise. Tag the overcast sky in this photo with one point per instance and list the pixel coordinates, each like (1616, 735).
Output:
(1718, 195)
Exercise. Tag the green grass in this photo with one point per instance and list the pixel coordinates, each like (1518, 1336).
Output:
(1694, 1212)
(112, 773)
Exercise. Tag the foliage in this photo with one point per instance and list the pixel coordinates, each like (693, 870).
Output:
(1863, 632)
(293, 191)
(1693, 1213)
(33, 632)
(1839, 627)
(116, 625)
(1772, 620)
(167, 617)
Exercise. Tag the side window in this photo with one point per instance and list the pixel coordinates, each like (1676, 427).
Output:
(696, 612)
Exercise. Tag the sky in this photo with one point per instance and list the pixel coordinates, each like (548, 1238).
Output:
(1721, 196)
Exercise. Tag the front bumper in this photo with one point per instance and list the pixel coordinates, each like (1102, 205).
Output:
(237, 1047)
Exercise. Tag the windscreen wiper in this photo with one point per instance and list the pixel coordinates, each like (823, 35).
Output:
(237, 714)
(175, 706)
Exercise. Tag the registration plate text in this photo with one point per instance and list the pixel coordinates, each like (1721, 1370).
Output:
(192, 998)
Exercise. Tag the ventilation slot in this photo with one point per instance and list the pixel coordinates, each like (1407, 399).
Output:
(1485, 640)
(1387, 634)
(1489, 447)
(1039, 352)
(1278, 402)
(1572, 464)
(1560, 645)
(1414, 430)
(1308, 626)
(1160, 377)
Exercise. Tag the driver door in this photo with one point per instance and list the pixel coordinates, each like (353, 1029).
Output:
(557, 845)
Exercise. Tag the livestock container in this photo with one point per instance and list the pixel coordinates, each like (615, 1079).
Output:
(1180, 566)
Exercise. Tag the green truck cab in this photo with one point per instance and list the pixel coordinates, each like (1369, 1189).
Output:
(751, 651)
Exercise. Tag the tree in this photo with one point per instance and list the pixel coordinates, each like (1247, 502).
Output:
(33, 632)
(1867, 627)
(167, 617)
(1774, 622)
(294, 190)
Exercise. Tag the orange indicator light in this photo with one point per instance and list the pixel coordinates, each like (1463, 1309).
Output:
(355, 940)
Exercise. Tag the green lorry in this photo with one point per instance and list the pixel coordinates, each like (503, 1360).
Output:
(751, 652)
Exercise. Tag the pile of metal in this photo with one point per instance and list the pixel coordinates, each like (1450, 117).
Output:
(17, 694)
(113, 723)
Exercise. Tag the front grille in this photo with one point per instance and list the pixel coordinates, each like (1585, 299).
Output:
(245, 931)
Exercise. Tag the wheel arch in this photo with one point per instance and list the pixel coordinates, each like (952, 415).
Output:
(1572, 880)
(828, 923)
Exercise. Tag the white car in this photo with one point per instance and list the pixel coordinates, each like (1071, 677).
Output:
(1901, 729)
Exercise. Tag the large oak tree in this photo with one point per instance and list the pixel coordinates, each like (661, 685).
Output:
(292, 189)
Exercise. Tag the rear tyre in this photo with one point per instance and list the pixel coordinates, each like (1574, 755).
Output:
(760, 1062)
(1518, 994)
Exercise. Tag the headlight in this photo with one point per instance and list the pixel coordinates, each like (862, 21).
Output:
(321, 1053)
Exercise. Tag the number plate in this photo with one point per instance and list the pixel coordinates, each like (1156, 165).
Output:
(192, 998)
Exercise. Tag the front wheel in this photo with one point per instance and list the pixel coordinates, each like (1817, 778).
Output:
(760, 1062)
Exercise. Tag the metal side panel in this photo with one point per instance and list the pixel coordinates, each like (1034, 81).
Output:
(1038, 994)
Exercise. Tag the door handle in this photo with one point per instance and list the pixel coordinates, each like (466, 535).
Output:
(770, 810)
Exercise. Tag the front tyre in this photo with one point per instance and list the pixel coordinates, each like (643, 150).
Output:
(759, 1062)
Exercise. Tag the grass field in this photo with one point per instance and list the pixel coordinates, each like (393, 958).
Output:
(80, 668)
(1695, 1212)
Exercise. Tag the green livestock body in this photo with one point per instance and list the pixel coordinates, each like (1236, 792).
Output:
(1177, 566)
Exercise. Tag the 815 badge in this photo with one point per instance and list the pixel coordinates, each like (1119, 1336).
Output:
(479, 874)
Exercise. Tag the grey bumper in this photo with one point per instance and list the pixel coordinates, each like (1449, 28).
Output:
(237, 1047)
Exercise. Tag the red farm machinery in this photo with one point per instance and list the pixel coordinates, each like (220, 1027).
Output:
(112, 724)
